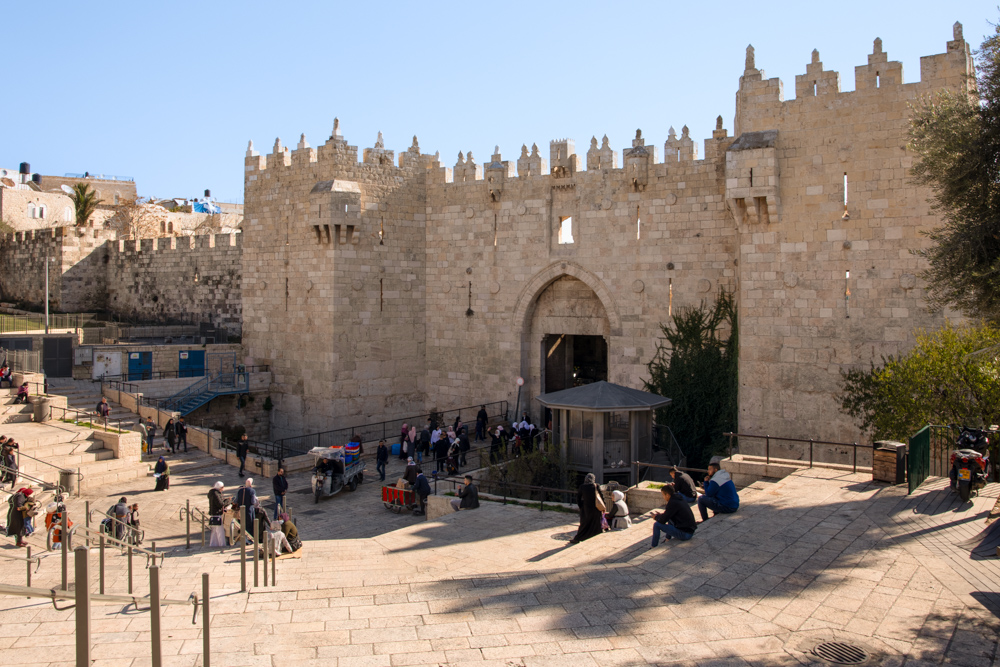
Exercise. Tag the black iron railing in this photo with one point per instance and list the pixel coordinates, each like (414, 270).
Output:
(390, 430)
(768, 439)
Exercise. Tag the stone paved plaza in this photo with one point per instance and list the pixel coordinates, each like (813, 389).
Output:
(819, 555)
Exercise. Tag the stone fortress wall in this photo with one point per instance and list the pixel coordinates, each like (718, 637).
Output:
(394, 284)
(390, 284)
(156, 281)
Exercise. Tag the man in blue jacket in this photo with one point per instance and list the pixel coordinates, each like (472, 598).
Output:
(720, 493)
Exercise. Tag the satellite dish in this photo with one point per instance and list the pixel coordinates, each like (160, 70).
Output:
(65, 188)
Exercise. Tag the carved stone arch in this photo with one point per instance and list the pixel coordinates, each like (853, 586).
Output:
(526, 300)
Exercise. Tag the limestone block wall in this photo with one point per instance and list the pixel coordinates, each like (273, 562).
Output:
(335, 303)
(28, 252)
(645, 242)
(51, 209)
(184, 278)
(821, 292)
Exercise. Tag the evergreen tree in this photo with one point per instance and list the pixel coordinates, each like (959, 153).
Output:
(957, 136)
(950, 377)
(698, 369)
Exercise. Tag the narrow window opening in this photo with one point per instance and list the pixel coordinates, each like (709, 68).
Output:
(678, 155)
(41, 211)
(163, 226)
(381, 295)
(170, 227)
(638, 225)
(670, 297)
(878, 80)
(751, 177)
(31, 211)
(845, 190)
(381, 231)
(566, 230)
(815, 88)
(345, 208)
(494, 230)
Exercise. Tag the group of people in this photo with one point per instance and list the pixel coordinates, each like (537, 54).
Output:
(448, 446)
(522, 438)
(676, 521)
(413, 475)
(281, 530)
(174, 432)
(125, 518)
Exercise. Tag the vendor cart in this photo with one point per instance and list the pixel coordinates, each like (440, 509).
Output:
(397, 499)
(333, 471)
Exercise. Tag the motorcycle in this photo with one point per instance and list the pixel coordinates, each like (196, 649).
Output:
(970, 463)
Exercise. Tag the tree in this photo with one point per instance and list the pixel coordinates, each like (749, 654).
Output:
(698, 369)
(951, 376)
(85, 203)
(957, 136)
(136, 219)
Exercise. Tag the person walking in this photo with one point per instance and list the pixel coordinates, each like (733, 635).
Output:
(588, 498)
(280, 485)
(422, 489)
(381, 458)
(10, 466)
(425, 444)
(162, 473)
(463, 445)
(404, 434)
(182, 434)
(144, 435)
(170, 435)
(242, 449)
(16, 527)
(481, 419)
(441, 452)
(150, 431)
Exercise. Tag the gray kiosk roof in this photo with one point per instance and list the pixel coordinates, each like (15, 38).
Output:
(602, 397)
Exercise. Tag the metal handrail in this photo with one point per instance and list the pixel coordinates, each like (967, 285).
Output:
(46, 486)
(114, 520)
(189, 373)
(90, 533)
(37, 560)
(378, 431)
(768, 438)
(92, 417)
(54, 594)
(79, 476)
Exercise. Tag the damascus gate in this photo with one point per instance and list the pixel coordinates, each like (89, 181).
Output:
(385, 284)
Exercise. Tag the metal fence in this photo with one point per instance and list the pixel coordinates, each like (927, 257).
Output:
(389, 430)
(829, 452)
(21, 322)
(115, 333)
(22, 361)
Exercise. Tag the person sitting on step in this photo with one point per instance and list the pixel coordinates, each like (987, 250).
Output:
(676, 519)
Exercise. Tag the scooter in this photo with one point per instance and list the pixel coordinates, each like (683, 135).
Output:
(970, 463)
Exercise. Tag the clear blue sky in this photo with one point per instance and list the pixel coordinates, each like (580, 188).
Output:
(169, 93)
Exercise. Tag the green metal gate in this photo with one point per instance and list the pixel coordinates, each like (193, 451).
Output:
(919, 461)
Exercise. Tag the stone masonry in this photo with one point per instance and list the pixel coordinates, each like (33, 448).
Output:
(394, 284)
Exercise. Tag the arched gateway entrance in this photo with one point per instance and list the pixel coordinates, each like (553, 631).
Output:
(569, 323)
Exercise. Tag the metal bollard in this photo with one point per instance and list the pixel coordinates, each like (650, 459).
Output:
(86, 522)
(101, 565)
(203, 529)
(130, 569)
(29, 569)
(154, 614)
(82, 606)
(256, 553)
(274, 558)
(187, 519)
(243, 549)
(266, 542)
(64, 543)
(206, 643)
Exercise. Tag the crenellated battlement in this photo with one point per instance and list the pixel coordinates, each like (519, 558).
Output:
(179, 243)
(877, 81)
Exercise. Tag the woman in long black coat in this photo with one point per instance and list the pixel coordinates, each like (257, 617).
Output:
(163, 481)
(15, 516)
(590, 516)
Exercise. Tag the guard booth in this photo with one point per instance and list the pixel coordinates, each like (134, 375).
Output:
(602, 428)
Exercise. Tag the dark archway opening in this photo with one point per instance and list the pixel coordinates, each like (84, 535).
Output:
(571, 361)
